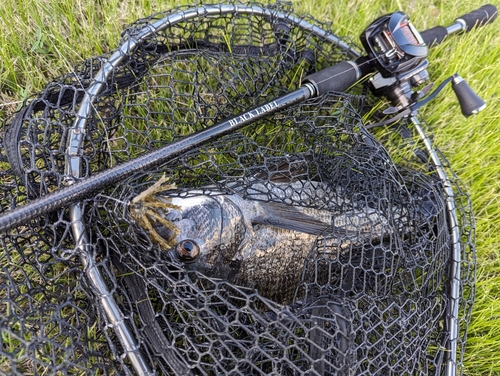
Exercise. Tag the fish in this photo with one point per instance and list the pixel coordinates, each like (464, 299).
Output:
(259, 237)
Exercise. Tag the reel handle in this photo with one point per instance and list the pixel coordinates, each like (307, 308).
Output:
(479, 17)
(470, 102)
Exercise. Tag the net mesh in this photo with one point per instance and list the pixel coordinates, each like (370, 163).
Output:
(364, 289)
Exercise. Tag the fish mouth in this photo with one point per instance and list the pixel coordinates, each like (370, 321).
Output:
(164, 232)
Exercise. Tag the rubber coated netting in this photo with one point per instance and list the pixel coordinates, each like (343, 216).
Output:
(340, 264)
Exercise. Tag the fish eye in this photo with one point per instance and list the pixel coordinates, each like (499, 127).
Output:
(187, 250)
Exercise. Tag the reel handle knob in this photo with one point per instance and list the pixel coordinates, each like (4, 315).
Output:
(470, 102)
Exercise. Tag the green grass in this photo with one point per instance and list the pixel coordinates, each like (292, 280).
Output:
(42, 39)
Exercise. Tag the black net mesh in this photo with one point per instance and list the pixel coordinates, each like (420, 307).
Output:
(322, 249)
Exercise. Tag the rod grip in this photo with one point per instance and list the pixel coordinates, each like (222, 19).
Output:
(339, 77)
(479, 17)
(434, 35)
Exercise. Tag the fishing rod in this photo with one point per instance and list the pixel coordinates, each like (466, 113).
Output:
(397, 58)
(395, 49)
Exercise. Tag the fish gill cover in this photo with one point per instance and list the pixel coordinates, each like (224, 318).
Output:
(300, 244)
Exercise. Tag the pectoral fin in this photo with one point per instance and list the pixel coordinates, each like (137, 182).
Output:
(290, 218)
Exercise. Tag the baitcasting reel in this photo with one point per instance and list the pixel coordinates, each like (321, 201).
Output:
(394, 44)
(398, 53)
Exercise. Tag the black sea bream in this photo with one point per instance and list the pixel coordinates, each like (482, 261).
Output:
(261, 244)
